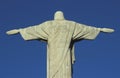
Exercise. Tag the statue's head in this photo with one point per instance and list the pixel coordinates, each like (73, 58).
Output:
(59, 15)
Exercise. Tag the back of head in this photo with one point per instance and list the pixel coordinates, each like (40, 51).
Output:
(59, 15)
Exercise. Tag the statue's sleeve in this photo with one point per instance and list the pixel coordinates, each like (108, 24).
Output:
(82, 31)
(35, 32)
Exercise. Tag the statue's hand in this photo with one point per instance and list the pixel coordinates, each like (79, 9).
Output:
(108, 30)
(15, 31)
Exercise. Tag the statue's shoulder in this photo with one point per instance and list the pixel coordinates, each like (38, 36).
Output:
(49, 21)
(70, 21)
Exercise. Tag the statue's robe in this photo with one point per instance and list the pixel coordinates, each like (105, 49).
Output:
(60, 36)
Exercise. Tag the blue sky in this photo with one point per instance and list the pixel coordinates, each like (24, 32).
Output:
(99, 58)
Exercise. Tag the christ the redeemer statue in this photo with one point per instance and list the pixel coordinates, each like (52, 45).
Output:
(60, 35)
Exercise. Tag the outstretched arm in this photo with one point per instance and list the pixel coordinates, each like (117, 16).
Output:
(31, 33)
(87, 32)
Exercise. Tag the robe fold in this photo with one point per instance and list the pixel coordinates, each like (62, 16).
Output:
(60, 48)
